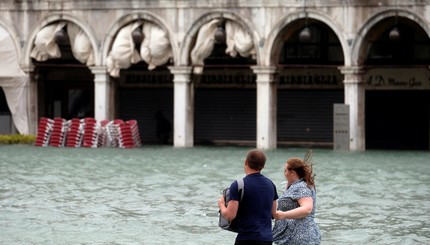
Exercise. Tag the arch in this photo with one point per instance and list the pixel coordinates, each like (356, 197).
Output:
(26, 60)
(13, 80)
(273, 37)
(359, 45)
(186, 47)
(129, 18)
(13, 35)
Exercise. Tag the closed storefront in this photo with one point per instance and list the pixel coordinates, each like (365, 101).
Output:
(142, 95)
(306, 116)
(397, 120)
(225, 115)
(398, 109)
(225, 97)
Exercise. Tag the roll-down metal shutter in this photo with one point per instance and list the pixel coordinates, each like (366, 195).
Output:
(225, 115)
(306, 115)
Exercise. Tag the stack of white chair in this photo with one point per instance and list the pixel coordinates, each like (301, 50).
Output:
(112, 132)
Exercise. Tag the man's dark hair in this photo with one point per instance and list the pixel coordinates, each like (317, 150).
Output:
(256, 159)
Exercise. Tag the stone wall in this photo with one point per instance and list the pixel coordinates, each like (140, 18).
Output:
(264, 19)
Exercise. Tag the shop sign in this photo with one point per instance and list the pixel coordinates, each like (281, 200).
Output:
(146, 78)
(397, 78)
(311, 78)
(226, 78)
(300, 78)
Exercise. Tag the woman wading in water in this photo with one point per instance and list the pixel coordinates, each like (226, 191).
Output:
(296, 206)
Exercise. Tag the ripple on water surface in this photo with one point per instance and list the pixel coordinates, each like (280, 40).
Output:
(165, 195)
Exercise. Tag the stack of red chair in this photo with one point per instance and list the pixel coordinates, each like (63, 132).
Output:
(44, 131)
(136, 134)
(129, 134)
(74, 134)
(59, 128)
(90, 132)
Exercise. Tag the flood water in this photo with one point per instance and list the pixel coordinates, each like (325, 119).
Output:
(165, 195)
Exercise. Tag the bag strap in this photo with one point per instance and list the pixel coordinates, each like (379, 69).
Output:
(240, 187)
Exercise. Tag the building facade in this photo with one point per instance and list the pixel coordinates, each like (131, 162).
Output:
(262, 73)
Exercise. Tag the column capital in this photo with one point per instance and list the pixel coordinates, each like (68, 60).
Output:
(265, 74)
(182, 74)
(180, 69)
(352, 70)
(353, 74)
(100, 74)
(264, 69)
(98, 69)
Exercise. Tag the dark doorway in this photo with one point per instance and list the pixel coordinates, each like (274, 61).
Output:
(143, 105)
(147, 97)
(4, 109)
(65, 86)
(66, 92)
(5, 115)
(397, 120)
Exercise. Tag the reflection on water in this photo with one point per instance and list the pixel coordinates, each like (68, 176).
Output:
(165, 195)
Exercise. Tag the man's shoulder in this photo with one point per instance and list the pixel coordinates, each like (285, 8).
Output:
(257, 178)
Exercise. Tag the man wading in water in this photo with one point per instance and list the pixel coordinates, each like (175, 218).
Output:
(256, 208)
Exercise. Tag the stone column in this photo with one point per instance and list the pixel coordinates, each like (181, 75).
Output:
(183, 113)
(266, 107)
(32, 100)
(355, 97)
(102, 93)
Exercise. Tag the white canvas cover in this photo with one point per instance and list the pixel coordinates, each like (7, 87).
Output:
(205, 43)
(46, 48)
(238, 41)
(155, 48)
(14, 82)
(123, 53)
(80, 44)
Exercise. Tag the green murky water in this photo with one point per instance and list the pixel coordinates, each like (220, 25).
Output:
(165, 195)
